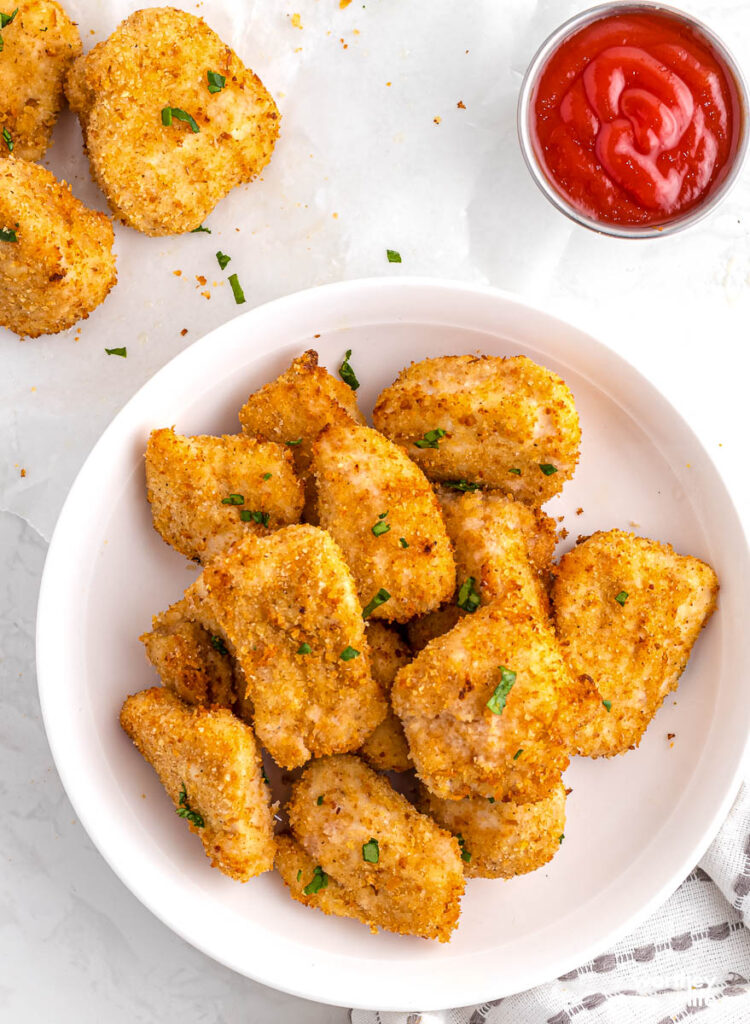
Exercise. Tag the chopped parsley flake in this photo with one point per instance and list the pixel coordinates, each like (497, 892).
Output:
(299, 874)
(222, 259)
(547, 468)
(403, 542)
(607, 704)
(8, 236)
(263, 775)
(461, 485)
(117, 352)
(515, 472)
(319, 801)
(465, 855)
(346, 372)
(622, 597)
(348, 653)
(491, 799)
(184, 810)
(304, 649)
(381, 526)
(560, 839)
(200, 227)
(167, 113)
(8, 139)
(496, 703)
(239, 295)
(233, 499)
(517, 754)
(254, 517)
(431, 439)
(380, 598)
(216, 82)
(318, 881)
(468, 597)
(293, 444)
(5, 19)
(218, 645)
(393, 256)
(267, 476)
(371, 852)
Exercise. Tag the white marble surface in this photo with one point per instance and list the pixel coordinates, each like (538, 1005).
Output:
(454, 198)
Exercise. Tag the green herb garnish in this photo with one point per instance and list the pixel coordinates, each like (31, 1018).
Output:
(465, 855)
(403, 542)
(200, 227)
(515, 472)
(293, 444)
(5, 19)
(381, 526)
(319, 801)
(622, 597)
(547, 468)
(117, 352)
(496, 703)
(218, 645)
(299, 874)
(8, 139)
(468, 597)
(254, 517)
(517, 754)
(348, 653)
(461, 485)
(184, 810)
(393, 256)
(491, 799)
(371, 852)
(222, 259)
(8, 236)
(233, 499)
(267, 476)
(318, 881)
(380, 598)
(216, 82)
(431, 439)
(562, 836)
(607, 704)
(346, 372)
(167, 113)
(304, 649)
(239, 295)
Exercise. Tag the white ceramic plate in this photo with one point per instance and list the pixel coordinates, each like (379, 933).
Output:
(636, 824)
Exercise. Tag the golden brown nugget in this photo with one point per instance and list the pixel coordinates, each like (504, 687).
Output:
(627, 611)
(293, 409)
(402, 870)
(287, 609)
(386, 748)
(172, 120)
(501, 839)
(473, 698)
(381, 509)
(56, 259)
(209, 764)
(208, 492)
(507, 423)
(39, 44)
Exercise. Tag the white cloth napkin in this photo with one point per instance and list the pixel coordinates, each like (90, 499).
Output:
(690, 959)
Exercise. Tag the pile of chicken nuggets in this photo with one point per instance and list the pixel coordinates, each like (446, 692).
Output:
(379, 609)
(171, 119)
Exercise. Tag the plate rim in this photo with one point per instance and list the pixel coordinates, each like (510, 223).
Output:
(45, 670)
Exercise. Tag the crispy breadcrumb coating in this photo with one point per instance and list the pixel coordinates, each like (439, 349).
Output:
(407, 879)
(458, 745)
(164, 179)
(209, 764)
(294, 408)
(61, 265)
(627, 611)
(501, 839)
(299, 870)
(386, 749)
(499, 416)
(39, 45)
(287, 609)
(381, 509)
(190, 481)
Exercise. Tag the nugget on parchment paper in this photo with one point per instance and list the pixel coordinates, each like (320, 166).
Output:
(209, 764)
(386, 748)
(401, 870)
(627, 611)
(39, 44)
(287, 609)
(207, 492)
(172, 120)
(56, 259)
(382, 511)
(501, 839)
(507, 423)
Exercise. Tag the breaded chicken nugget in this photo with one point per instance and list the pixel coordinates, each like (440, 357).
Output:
(190, 661)
(39, 44)
(500, 840)
(294, 408)
(172, 119)
(382, 511)
(287, 609)
(399, 867)
(208, 492)
(386, 749)
(627, 611)
(210, 766)
(507, 423)
(472, 699)
(56, 259)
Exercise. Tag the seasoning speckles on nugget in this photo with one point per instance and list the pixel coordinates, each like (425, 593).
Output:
(627, 611)
(508, 423)
(39, 44)
(207, 492)
(372, 498)
(209, 764)
(287, 609)
(165, 178)
(397, 868)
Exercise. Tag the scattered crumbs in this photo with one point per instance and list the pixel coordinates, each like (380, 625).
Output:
(316, 335)
(345, 45)
(461, 105)
(143, 796)
(343, 4)
(177, 273)
(560, 519)
(389, 84)
(297, 49)
(23, 472)
(720, 445)
(568, 791)
(436, 120)
(335, 216)
(92, 32)
(563, 534)
(201, 280)
(296, 21)
(466, 51)
(671, 735)
(579, 511)
(33, 390)
(636, 526)
(355, 31)
(183, 332)
(688, 466)
(206, 295)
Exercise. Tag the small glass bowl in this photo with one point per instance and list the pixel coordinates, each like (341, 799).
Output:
(569, 28)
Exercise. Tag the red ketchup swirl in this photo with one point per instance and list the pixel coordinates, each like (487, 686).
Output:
(635, 119)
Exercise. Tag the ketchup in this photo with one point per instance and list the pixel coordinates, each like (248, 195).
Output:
(635, 119)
